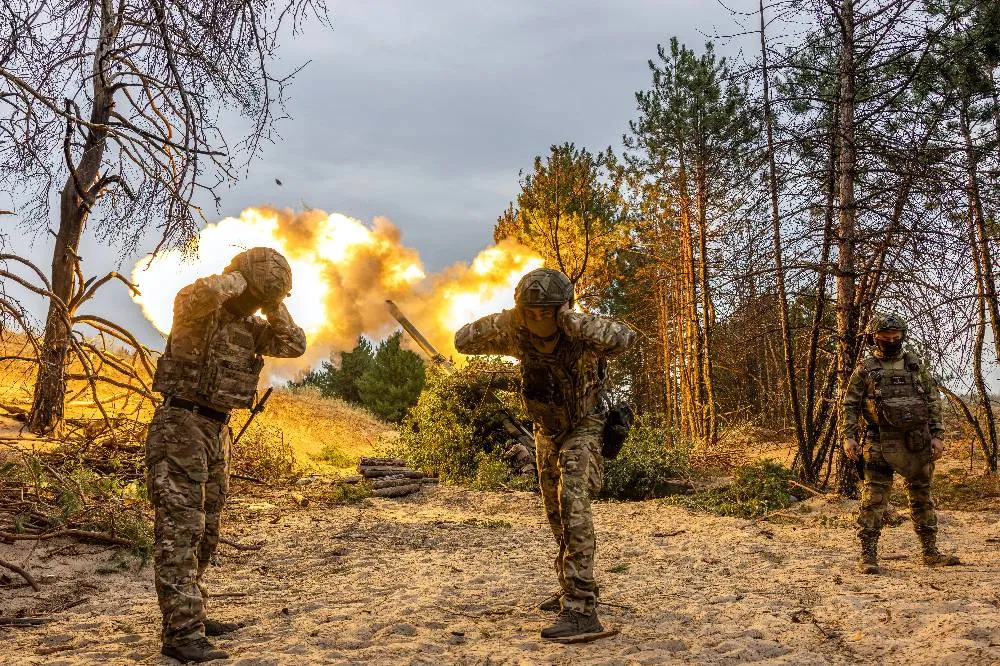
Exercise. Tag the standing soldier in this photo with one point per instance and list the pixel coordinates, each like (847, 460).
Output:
(211, 365)
(563, 366)
(899, 401)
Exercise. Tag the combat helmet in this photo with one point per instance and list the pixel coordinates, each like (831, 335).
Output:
(887, 322)
(266, 271)
(544, 287)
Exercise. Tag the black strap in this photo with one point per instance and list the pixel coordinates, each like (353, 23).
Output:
(201, 410)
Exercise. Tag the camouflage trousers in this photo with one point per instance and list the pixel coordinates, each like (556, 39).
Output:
(570, 472)
(187, 472)
(875, 497)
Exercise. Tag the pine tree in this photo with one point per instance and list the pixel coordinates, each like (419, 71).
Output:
(393, 382)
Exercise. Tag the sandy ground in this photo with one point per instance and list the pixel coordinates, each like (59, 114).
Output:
(451, 577)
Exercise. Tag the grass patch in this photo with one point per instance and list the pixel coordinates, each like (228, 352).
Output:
(619, 569)
(757, 489)
(347, 493)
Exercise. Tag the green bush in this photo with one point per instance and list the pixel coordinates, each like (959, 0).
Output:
(648, 466)
(757, 490)
(455, 431)
(263, 453)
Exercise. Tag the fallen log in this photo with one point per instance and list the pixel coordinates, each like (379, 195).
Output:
(23, 621)
(22, 573)
(393, 482)
(378, 472)
(397, 491)
(371, 461)
(86, 535)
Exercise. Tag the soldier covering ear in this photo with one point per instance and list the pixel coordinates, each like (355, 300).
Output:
(211, 366)
(563, 356)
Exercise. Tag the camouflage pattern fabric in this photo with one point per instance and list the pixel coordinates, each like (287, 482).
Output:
(570, 473)
(885, 446)
(586, 341)
(875, 497)
(187, 472)
(570, 467)
(187, 454)
(859, 399)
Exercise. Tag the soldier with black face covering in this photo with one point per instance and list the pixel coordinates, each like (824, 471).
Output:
(896, 397)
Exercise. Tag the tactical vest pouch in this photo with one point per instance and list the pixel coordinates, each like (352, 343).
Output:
(226, 386)
(895, 447)
(616, 429)
(904, 412)
(176, 376)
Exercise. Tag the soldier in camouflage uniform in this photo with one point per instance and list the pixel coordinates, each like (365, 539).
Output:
(211, 365)
(898, 399)
(563, 358)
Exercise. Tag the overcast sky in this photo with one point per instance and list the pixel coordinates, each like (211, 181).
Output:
(425, 111)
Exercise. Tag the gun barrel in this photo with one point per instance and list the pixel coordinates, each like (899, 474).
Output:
(417, 336)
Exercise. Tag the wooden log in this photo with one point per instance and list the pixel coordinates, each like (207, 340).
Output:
(22, 573)
(378, 472)
(397, 491)
(370, 461)
(392, 482)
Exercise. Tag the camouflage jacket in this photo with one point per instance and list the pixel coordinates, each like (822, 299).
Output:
(561, 387)
(859, 398)
(213, 356)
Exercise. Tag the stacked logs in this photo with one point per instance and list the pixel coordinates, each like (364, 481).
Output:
(390, 477)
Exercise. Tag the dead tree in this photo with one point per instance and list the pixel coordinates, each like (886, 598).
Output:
(115, 101)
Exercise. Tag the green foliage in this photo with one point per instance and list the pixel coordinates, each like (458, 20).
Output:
(393, 382)
(335, 457)
(570, 210)
(757, 490)
(347, 493)
(386, 380)
(340, 380)
(648, 466)
(263, 453)
(453, 430)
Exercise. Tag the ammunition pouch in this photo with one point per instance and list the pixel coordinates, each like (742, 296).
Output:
(216, 382)
(906, 413)
(616, 429)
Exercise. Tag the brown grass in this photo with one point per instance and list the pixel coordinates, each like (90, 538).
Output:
(323, 433)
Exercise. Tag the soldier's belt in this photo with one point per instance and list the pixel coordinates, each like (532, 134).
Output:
(195, 408)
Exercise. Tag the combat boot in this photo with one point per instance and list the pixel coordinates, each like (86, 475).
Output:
(868, 562)
(552, 604)
(217, 628)
(572, 623)
(934, 557)
(197, 650)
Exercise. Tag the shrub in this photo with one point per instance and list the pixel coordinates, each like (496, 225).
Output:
(648, 464)
(757, 489)
(263, 453)
(454, 429)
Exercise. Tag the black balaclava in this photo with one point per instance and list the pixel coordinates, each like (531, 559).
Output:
(889, 349)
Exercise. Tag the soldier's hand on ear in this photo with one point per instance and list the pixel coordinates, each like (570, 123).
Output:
(852, 448)
(937, 447)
